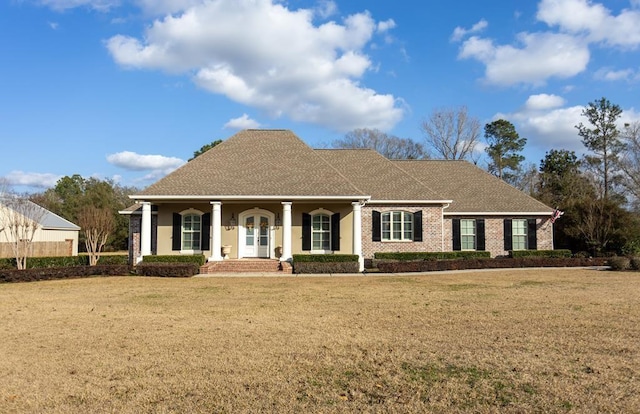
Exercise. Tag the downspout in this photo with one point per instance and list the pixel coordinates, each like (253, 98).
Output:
(442, 226)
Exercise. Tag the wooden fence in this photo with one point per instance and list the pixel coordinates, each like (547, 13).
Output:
(41, 249)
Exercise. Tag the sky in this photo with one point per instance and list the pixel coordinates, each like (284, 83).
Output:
(127, 90)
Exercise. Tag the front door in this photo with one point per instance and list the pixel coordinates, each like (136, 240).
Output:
(256, 230)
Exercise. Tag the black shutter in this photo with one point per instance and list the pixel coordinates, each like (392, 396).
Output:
(457, 244)
(306, 232)
(206, 231)
(532, 239)
(335, 232)
(480, 243)
(376, 230)
(508, 235)
(176, 243)
(417, 226)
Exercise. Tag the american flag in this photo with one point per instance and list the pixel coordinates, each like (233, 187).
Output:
(556, 215)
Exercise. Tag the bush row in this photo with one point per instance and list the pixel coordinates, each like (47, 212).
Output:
(167, 269)
(68, 272)
(324, 258)
(198, 259)
(624, 263)
(64, 261)
(540, 253)
(431, 255)
(484, 263)
(326, 267)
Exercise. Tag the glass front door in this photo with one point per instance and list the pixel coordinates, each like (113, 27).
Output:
(256, 229)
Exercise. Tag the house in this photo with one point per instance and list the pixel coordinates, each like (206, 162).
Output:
(266, 194)
(54, 236)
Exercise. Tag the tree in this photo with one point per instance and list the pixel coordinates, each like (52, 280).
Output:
(452, 134)
(603, 140)
(72, 194)
(389, 146)
(205, 148)
(19, 221)
(630, 161)
(97, 224)
(504, 145)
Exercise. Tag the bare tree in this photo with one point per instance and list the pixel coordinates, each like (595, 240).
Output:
(389, 146)
(452, 134)
(97, 224)
(19, 221)
(630, 160)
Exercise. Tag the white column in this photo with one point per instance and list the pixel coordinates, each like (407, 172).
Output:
(357, 232)
(286, 231)
(216, 232)
(145, 231)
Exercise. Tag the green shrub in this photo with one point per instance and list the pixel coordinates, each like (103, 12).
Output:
(486, 263)
(324, 258)
(184, 269)
(631, 248)
(326, 267)
(431, 255)
(540, 253)
(198, 259)
(114, 259)
(67, 272)
(48, 262)
(620, 263)
(635, 263)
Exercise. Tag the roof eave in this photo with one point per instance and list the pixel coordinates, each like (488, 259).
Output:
(498, 213)
(410, 201)
(245, 197)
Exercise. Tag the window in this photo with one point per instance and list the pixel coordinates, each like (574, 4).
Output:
(397, 226)
(519, 234)
(191, 231)
(320, 232)
(468, 234)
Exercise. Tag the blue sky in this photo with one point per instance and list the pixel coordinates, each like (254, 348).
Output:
(128, 89)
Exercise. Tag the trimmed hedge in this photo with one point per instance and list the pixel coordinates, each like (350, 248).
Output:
(167, 269)
(325, 263)
(484, 263)
(68, 272)
(540, 253)
(324, 258)
(431, 255)
(198, 259)
(113, 259)
(620, 263)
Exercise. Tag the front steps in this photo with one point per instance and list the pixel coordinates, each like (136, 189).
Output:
(246, 266)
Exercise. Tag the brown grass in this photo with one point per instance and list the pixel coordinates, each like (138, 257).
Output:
(508, 341)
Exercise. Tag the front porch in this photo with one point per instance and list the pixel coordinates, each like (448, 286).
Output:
(271, 266)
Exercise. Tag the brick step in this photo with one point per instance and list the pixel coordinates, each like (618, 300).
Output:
(246, 266)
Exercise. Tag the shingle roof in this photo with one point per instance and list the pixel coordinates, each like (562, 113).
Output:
(256, 163)
(472, 189)
(377, 176)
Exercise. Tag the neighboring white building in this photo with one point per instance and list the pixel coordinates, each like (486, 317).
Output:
(54, 236)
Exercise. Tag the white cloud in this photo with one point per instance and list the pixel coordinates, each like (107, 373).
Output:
(543, 101)
(265, 55)
(460, 32)
(53, 25)
(98, 5)
(386, 26)
(593, 20)
(31, 179)
(326, 9)
(608, 74)
(243, 122)
(539, 57)
(138, 162)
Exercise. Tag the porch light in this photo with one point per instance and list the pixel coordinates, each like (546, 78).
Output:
(278, 221)
(232, 222)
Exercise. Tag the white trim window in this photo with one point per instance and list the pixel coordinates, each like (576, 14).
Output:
(191, 231)
(519, 234)
(468, 234)
(320, 232)
(397, 226)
